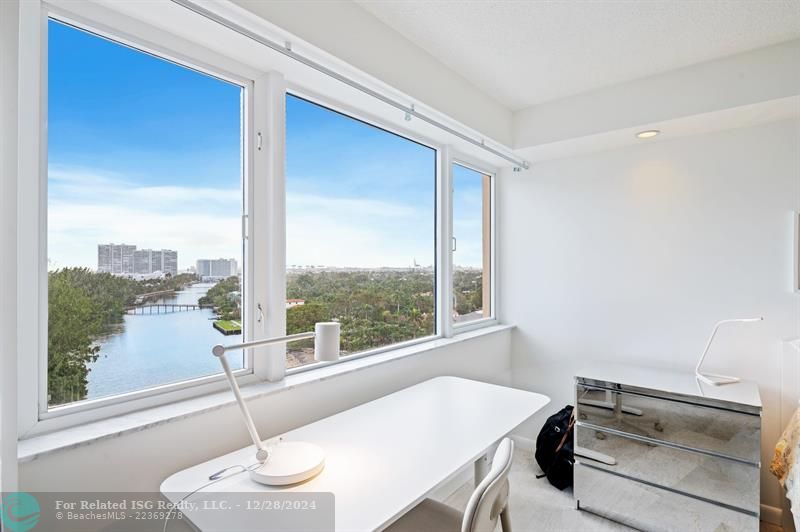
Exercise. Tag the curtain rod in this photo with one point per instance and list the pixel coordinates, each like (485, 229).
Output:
(286, 50)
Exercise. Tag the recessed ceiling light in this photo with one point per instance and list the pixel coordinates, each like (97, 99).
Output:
(649, 134)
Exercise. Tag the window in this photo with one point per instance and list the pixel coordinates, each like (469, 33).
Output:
(158, 200)
(144, 206)
(360, 231)
(472, 245)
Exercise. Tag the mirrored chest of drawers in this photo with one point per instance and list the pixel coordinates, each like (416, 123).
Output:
(660, 451)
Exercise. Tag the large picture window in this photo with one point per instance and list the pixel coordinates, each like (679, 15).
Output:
(157, 227)
(360, 231)
(145, 198)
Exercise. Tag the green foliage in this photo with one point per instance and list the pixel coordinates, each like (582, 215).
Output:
(376, 308)
(226, 299)
(229, 327)
(82, 306)
(108, 294)
(301, 318)
(169, 283)
(73, 322)
(468, 290)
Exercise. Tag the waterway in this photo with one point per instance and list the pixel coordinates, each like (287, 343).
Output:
(152, 350)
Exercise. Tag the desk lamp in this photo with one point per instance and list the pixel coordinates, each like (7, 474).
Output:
(711, 378)
(287, 462)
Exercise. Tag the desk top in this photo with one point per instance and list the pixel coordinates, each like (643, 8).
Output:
(384, 456)
(670, 381)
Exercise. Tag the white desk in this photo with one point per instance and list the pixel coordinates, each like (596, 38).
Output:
(385, 456)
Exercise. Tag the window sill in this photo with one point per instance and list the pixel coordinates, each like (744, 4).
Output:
(42, 445)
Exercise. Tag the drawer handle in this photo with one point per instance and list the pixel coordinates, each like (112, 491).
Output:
(670, 399)
(645, 439)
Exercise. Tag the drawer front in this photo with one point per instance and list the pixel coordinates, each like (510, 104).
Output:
(702, 475)
(718, 430)
(650, 508)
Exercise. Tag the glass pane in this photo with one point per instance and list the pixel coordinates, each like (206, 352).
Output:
(473, 250)
(360, 231)
(144, 184)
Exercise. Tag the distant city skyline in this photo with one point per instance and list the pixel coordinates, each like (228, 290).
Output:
(216, 268)
(126, 259)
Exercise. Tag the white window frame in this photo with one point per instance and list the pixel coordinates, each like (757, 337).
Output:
(264, 221)
(35, 415)
(471, 164)
(439, 151)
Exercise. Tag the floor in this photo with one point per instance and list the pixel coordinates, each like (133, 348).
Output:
(537, 506)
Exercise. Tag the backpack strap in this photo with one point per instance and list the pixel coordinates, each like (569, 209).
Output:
(567, 432)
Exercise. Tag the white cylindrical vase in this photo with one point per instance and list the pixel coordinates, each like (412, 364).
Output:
(326, 341)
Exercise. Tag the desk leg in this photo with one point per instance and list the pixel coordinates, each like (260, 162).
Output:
(481, 468)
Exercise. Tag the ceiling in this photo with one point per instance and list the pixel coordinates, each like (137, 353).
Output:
(524, 53)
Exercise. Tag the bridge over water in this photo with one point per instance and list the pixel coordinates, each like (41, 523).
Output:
(164, 308)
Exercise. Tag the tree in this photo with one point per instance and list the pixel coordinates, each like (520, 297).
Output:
(73, 322)
(223, 296)
(301, 318)
(375, 307)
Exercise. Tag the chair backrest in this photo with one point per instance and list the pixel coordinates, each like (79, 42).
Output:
(491, 496)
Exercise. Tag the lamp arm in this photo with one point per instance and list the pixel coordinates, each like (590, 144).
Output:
(262, 453)
(714, 333)
(708, 345)
(219, 351)
(326, 342)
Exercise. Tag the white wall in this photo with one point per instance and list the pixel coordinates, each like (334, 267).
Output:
(9, 29)
(632, 255)
(142, 460)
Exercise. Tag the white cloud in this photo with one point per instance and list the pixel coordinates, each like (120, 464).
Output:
(353, 206)
(78, 177)
(87, 208)
(357, 232)
(76, 229)
(79, 186)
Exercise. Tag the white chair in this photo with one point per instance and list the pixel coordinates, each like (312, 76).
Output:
(488, 502)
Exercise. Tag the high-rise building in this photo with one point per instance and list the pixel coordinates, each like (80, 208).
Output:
(156, 261)
(142, 261)
(115, 258)
(203, 268)
(217, 268)
(169, 262)
(123, 259)
(104, 258)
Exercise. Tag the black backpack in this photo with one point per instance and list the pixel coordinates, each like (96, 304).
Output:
(554, 448)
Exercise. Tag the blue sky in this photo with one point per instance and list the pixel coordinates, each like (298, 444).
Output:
(147, 152)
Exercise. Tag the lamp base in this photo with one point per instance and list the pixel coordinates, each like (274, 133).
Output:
(716, 380)
(290, 462)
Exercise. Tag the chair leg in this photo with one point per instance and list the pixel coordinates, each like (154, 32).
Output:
(505, 520)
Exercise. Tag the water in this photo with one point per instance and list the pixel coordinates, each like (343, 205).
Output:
(151, 350)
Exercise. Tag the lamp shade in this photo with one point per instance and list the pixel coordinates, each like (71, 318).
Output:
(326, 341)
